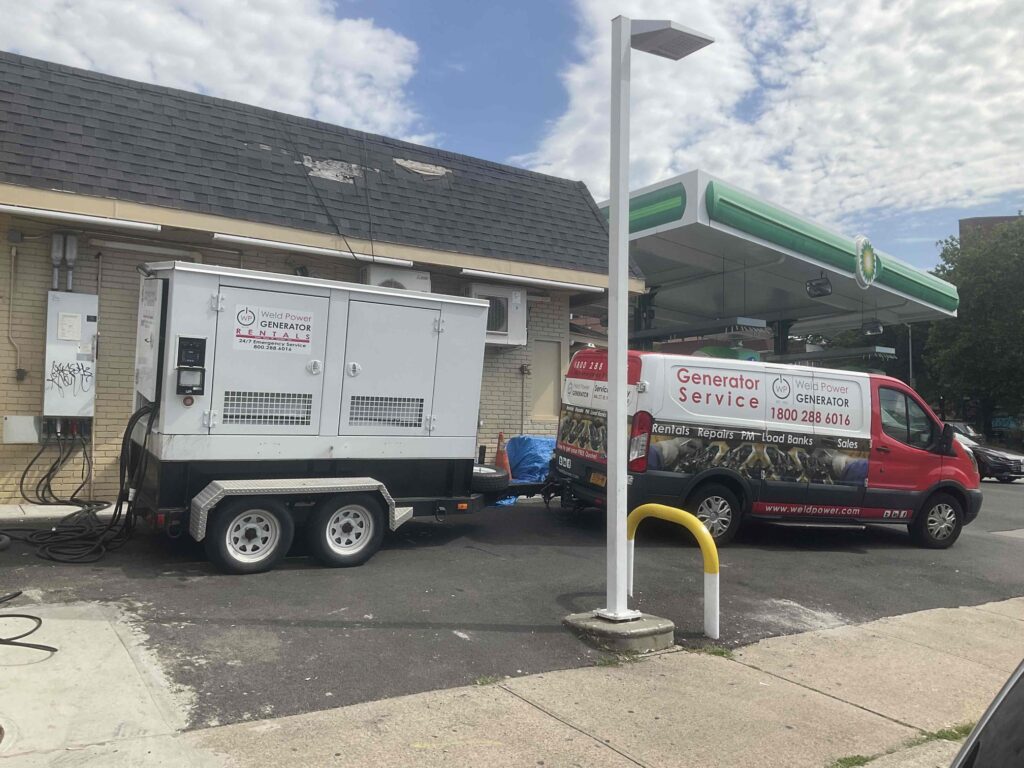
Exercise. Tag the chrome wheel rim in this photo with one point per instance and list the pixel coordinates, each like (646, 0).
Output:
(716, 514)
(253, 536)
(349, 529)
(941, 521)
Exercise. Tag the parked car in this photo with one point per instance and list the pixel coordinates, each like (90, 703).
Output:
(997, 741)
(730, 440)
(1005, 466)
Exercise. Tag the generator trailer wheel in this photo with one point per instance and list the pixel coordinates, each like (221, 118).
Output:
(345, 530)
(249, 534)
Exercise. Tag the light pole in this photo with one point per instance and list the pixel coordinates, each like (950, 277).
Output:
(671, 41)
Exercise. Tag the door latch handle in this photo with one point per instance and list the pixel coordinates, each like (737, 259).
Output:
(883, 449)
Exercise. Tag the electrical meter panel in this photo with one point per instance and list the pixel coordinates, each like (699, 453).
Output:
(69, 378)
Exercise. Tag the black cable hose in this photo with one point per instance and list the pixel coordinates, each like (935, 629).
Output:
(81, 537)
(28, 468)
(13, 640)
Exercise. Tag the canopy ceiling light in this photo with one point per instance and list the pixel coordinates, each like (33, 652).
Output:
(872, 328)
(78, 218)
(819, 287)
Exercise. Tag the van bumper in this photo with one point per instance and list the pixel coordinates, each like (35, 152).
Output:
(973, 505)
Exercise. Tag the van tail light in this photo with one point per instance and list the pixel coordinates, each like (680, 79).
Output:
(640, 441)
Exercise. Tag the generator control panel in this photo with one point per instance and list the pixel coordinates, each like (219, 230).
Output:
(191, 365)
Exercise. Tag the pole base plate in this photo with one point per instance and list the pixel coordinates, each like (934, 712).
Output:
(642, 635)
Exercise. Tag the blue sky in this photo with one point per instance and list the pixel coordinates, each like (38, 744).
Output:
(490, 85)
(890, 118)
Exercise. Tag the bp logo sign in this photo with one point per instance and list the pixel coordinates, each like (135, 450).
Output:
(868, 263)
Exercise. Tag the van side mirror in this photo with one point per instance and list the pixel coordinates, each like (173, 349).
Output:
(946, 441)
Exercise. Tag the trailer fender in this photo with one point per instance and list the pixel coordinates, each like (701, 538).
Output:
(218, 490)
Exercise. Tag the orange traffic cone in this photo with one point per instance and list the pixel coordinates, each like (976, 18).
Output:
(500, 456)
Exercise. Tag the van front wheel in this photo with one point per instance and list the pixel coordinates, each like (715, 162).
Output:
(718, 508)
(939, 522)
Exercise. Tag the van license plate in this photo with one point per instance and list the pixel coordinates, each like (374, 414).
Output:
(598, 479)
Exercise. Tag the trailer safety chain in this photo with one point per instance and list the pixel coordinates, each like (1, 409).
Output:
(14, 640)
(81, 537)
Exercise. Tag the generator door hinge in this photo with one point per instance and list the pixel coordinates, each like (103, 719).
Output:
(438, 325)
(210, 419)
(217, 302)
(431, 423)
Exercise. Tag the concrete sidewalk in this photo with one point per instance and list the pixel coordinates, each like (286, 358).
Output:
(881, 690)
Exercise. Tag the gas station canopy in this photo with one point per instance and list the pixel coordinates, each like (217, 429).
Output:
(710, 251)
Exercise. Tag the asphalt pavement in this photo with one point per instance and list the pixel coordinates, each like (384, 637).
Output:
(480, 598)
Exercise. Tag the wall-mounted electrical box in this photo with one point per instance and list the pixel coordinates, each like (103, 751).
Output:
(69, 377)
(506, 318)
(21, 429)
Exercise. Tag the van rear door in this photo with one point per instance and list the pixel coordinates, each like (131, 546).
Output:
(581, 447)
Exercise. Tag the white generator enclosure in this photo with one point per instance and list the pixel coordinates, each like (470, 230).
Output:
(255, 366)
(269, 404)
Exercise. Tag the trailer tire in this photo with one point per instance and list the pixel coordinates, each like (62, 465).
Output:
(346, 529)
(249, 534)
(488, 479)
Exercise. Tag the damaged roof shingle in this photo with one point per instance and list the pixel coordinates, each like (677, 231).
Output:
(79, 131)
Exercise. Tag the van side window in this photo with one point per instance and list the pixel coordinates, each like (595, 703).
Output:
(904, 420)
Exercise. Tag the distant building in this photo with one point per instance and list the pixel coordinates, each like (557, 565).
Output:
(980, 227)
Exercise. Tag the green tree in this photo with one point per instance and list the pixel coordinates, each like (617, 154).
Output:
(980, 354)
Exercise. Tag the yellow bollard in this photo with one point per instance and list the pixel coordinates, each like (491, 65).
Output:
(707, 549)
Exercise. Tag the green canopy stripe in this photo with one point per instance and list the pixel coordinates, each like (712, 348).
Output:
(652, 209)
(761, 219)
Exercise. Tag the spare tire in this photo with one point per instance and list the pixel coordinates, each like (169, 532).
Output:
(488, 479)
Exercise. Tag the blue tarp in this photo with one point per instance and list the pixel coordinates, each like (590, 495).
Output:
(529, 457)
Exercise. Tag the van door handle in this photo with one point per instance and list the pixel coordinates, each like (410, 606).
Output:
(883, 449)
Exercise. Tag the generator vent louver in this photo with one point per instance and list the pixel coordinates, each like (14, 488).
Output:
(368, 410)
(278, 409)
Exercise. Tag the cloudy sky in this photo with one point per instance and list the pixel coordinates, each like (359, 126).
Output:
(892, 118)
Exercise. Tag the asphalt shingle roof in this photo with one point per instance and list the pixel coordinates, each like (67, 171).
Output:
(77, 131)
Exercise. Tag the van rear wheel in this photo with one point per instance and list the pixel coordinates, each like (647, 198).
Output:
(719, 509)
(939, 522)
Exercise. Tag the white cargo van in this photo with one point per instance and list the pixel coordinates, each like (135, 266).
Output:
(730, 439)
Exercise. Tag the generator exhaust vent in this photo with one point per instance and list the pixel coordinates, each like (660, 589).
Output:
(277, 409)
(368, 410)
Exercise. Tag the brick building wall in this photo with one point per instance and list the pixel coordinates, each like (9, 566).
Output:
(113, 276)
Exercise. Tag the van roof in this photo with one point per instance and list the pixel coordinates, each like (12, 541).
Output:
(601, 354)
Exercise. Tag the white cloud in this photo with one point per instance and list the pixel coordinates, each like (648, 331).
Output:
(289, 55)
(833, 109)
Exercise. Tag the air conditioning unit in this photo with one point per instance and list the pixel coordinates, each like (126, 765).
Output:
(506, 318)
(396, 277)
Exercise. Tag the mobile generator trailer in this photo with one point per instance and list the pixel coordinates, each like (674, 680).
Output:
(733, 440)
(279, 402)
